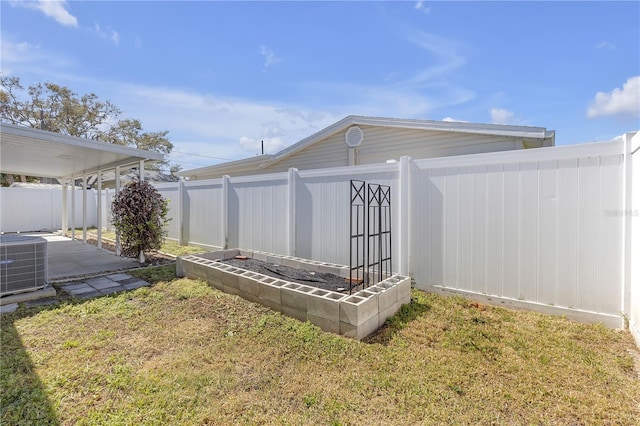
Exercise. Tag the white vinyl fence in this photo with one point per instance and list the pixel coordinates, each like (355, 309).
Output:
(551, 229)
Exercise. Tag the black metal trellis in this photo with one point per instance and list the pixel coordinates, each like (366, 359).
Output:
(357, 240)
(370, 235)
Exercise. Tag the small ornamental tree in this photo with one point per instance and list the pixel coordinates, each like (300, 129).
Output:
(139, 214)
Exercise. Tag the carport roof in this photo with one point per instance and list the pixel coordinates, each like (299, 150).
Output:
(35, 152)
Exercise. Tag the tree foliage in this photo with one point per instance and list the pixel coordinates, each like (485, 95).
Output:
(139, 213)
(58, 109)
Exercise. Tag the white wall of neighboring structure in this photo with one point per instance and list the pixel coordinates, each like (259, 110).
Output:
(382, 143)
(35, 209)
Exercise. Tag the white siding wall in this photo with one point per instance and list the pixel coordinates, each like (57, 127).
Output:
(384, 143)
(331, 152)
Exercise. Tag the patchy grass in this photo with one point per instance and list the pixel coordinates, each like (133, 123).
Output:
(155, 274)
(183, 353)
(169, 247)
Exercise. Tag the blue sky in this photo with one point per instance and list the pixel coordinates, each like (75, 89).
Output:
(222, 76)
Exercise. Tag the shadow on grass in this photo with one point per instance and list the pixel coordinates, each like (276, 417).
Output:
(23, 399)
(400, 320)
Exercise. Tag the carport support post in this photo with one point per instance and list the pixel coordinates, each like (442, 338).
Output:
(73, 207)
(84, 209)
(99, 225)
(141, 177)
(63, 223)
(116, 194)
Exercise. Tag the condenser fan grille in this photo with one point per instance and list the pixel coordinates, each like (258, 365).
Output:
(23, 263)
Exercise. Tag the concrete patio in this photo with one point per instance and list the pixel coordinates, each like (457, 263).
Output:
(72, 258)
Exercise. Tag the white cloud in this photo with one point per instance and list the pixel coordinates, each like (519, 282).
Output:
(605, 45)
(106, 33)
(502, 116)
(115, 37)
(56, 9)
(214, 126)
(137, 42)
(269, 57)
(618, 102)
(413, 96)
(421, 7)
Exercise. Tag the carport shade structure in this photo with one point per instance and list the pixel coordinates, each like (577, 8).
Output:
(35, 152)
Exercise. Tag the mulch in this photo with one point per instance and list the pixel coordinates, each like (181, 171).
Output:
(323, 280)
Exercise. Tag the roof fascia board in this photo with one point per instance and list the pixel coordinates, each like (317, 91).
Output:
(44, 135)
(442, 126)
(458, 127)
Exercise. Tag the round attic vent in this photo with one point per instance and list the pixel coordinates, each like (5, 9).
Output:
(354, 136)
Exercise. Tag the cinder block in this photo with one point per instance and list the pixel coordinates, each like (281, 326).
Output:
(270, 292)
(261, 256)
(357, 310)
(248, 286)
(214, 274)
(230, 254)
(329, 269)
(235, 291)
(290, 262)
(404, 290)
(367, 328)
(388, 297)
(199, 270)
(271, 305)
(230, 278)
(180, 268)
(246, 253)
(330, 325)
(361, 331)
(213, 255)
(344, 272)
(276, 260)
(295, 296)
(387, 313)
(294, 313)
(309, 266)
(323, 307)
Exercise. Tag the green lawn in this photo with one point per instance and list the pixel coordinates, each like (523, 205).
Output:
(181, 352)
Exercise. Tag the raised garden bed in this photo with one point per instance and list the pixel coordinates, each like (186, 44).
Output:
(353, 315)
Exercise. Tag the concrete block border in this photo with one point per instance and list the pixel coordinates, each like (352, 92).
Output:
(352, 315)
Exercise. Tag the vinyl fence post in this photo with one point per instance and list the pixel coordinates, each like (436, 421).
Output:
(291, 246)
(404, 216)
(225, 211)
(180, 206)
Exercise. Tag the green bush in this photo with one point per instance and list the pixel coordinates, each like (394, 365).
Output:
(139, 213)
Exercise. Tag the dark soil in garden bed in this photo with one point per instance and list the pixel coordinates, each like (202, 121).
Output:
(323, 280)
